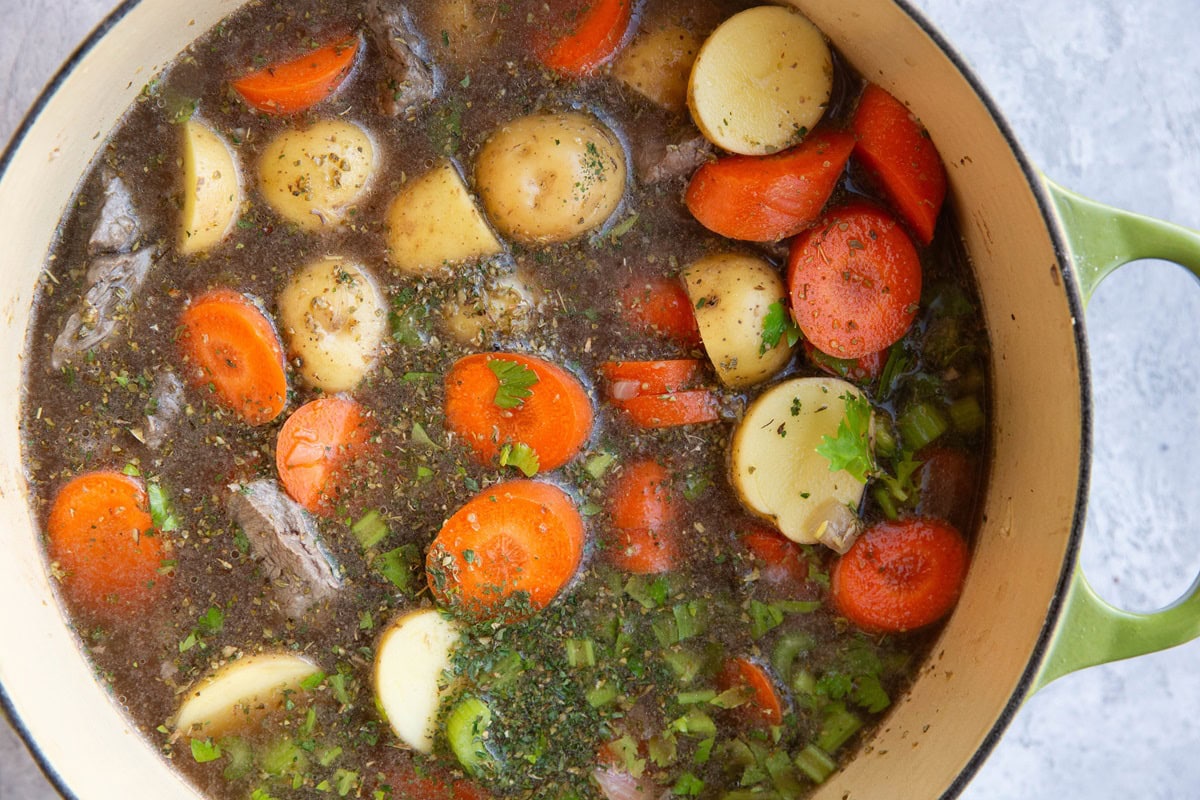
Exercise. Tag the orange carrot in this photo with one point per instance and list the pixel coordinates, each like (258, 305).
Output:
(315, 445)
(628, 379)
(783, 565)
(765, 706)
(855, 281)
(858, 370)
(660, 305)
(429, 784)
(900, 576)
(516, 538)
(292, 86)
(768, 198)
(899, 154)
(230, 347)
(644, 516)
(670, 410)
(102, 538)
(596, 30)
(493, 399)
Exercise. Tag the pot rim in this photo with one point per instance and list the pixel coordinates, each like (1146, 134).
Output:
(1069, 285)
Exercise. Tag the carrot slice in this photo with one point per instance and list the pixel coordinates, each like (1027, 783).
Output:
(644, 515)
(900, 576)
(597, 28)
(314, 446)
(628, 379)
(292, 86)
(101, 536)
(765, 706)
(692, 407)
(230, 346)
(660, 305)
(768, 198)
(554, 420)
(429, 784)
(898, 153)
(520, 539)
(858, 370)
(783, 565)
(855, 281)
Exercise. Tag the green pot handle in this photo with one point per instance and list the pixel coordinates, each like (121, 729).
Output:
(1091, 631)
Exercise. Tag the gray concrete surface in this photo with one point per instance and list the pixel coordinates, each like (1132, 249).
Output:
(1105, 97)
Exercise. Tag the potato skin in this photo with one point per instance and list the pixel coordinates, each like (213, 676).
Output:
(434, 223)
(334, 318)
(657, 64)
(313, 176)
(549, 178)
(212, 188)
(731, 294)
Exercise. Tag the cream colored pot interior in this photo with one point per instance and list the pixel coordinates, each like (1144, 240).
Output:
(978, 665)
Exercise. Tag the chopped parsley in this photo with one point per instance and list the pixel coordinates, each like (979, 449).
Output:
(851, 449)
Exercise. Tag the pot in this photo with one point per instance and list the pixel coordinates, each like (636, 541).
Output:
(1027, 615)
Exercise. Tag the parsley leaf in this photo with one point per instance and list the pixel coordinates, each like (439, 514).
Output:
(161, 515)
(204, 750)
(515, 380)
(211, 622)
(851, 448)
(777, 324)
(521, 456)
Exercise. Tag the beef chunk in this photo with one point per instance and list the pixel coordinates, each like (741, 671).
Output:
(410, 82)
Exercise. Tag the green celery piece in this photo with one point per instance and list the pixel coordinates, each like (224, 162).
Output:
(815, 763)
(838, 726)
(370, 530)
(466, 725)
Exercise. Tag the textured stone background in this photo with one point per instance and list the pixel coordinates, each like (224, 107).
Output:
(1105, 97)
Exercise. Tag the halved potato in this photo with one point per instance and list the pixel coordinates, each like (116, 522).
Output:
(731, 294)
(334, 318)
(239, 690)
(434, 223)
(550, 177)
(409, 661)
(657, 63)
(505, 306)
(761, 81)
(778, 473)
(312, 177)
(212, 188)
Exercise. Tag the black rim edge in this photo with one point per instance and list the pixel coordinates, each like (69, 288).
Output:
(1075, 303)
(18, 138)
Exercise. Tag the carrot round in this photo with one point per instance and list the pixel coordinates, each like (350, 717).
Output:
(672, 409)
(429, 784)
(230, 347)
(101, 536)
(661, 306)
(782, 562)
(314, 446)
(900, 576)
(855, 281)
(898, 153)
(628, 379)
(596, 30)
(765, 706)
(292, 86)
(644, 514)
(768, 198)
(552, 415)
(516, 538)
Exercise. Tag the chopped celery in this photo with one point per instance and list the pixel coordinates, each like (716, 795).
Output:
(815, 763)
(504, 672)
(665, 631)
(662, 749)
(602, 695)
(783, 775)
(650, 591)
(967, 414)
(883, 498)
(241, 757)
(466, 728)
(695, 723)
(691, 619)
(685, 664)
(687, 785)
(763, 618)
(598, 464)
(750, 794)
(398, 565)
(370, 530)
(921, 424)
(284, 758)
(787, 650)
(838, 726)
(804, 682)
(732, 698)
(698, 696)
(581, 653)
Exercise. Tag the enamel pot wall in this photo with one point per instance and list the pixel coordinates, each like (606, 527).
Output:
(1026, 617)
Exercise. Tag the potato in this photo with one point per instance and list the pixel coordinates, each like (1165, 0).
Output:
(233, 693)
(409, 661)
(212, 188)
(506, 306)
(657, 64)
(550, 177)
(731, 294)
(778, 473)
(434, 223)
(467, 26)
(334, 318)
(312, 177)
(761, 81)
